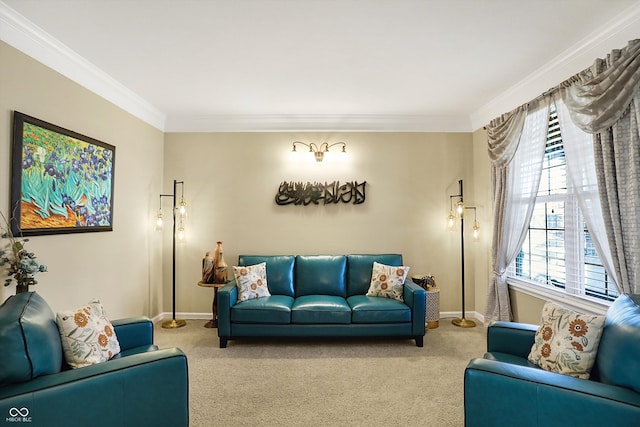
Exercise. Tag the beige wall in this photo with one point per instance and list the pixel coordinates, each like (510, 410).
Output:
(231, 180)
(230, 183)
(120, 267)
(525, 308)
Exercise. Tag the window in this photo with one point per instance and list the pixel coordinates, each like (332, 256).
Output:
(558, 252)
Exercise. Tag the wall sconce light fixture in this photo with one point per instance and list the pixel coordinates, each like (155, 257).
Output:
(318, 151)
(181, 212)
(451, 222)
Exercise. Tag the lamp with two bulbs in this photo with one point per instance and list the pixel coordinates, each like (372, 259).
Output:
(179, 215)
(458, 213)
(181, 210)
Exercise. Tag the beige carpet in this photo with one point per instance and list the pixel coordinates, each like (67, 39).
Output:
(351, 382)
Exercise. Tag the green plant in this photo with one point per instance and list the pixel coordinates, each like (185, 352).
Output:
(21, 265)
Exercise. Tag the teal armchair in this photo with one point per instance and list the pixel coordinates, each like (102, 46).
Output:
(504, 389)
(141, 386)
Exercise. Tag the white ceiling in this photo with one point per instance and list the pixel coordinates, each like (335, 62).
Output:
(448, 65)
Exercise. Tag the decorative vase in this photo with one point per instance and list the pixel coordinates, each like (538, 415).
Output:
(208, 269)
(219, 264)
(22, 287)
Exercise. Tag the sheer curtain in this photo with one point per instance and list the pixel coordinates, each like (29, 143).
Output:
(605, 101)
(515, 176)
(581, 173)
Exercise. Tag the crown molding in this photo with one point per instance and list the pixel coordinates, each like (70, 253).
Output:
(24, 35)
(317, 123)
(615, 34)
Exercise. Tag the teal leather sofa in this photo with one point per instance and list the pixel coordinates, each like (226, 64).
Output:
(504, 389)
(321, 296)
(141, 386)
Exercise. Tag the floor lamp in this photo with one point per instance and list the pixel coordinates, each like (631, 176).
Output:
(459, 211)
(181, 211)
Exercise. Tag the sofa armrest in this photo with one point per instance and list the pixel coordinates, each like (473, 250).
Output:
(133, 332)
(227, 297)
(414, 297)
(131, 390)
(510, 338)
(503, 394)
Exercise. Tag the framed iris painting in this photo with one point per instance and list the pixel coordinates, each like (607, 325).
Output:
(61, 181)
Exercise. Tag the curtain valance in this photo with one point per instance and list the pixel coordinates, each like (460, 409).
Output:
(503, 135)
(598, 96)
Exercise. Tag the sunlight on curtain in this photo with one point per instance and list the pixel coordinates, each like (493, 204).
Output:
(581, 170)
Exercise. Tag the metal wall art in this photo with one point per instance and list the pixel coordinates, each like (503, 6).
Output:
(298, 193)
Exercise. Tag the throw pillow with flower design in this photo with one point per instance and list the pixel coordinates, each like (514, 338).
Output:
(251, 281)
(566, 342)
(87, 335)
(388, 281)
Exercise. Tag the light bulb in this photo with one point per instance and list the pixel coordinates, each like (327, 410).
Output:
(159, 221)
(451, 222)
(476, 230)
(181, 234)
(182, 209)
(460, 208)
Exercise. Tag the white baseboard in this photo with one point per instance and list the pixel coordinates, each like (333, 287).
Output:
(468, 314)
(186, 316)
(204, 316)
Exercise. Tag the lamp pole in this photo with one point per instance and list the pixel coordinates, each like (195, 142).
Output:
(173, 323)
(461, 321)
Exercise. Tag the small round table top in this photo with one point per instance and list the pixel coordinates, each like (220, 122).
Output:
(211, 285)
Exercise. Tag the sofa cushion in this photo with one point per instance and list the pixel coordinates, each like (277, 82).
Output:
(321, 275)
(618, 360)
(360, 267)
(566, 342)
(388, 281)
(274, 309)
(279, 271)
(251, 281)
(29, 339)
(318, 309)
(366, 309)
(87, 335)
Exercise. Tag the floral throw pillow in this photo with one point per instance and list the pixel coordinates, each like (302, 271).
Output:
(251, 281)
(566, 342)
(87, 335)
(387, 281)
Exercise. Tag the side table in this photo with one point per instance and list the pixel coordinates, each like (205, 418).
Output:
(213, 323)
(433, 307)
